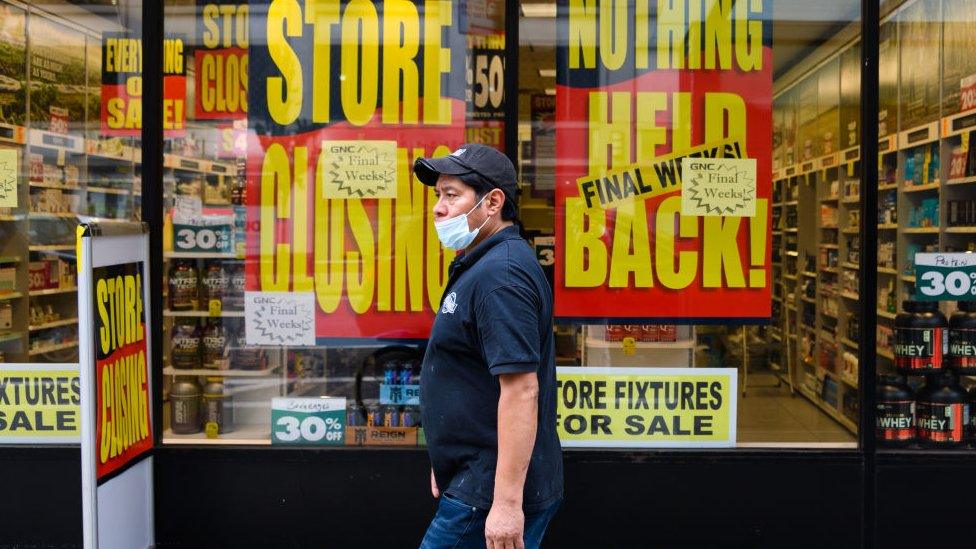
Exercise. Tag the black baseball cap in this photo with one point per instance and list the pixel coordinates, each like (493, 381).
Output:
(471, 159)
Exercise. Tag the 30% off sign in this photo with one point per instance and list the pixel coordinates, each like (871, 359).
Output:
(945, 276)
(308, 421)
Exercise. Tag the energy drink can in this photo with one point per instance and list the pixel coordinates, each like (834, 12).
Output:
(390, 372)
(409, 417)
(406, 373)
(354, 416)
(374, 417)
(391, 416)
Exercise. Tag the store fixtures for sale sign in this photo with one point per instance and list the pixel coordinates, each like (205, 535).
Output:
(643, 87)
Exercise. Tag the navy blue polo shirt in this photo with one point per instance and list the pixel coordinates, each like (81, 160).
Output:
(495, 318)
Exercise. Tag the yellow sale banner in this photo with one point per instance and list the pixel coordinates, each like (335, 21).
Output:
(39, 403)
(646, 407)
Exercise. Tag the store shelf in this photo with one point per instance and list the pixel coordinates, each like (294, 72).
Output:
(199, 255)
(52, 348)
(885, 353)
(830, 410)
(851, 230)
(11, 336)
(53, 215)
(790, 230)
(792, 203)
(961, 230)
(792, 253)
(207, 372)
(888, 187)
(830, 199)
(921, 188)
(851, 200)
(789, 277)
(809, 274)
(887, 270)
(249, 435)
(830, 246)
(848, 265)
(887, 226)
(849, 295)
(11, 295)
(107, 190)
(962, 181)
(831, 315)
(848, 343)
(54, 324)
(808, 299)
(203, 314)
(921, 230)
(55, 186)
(908, 278)
(886, 314)
(52, 291)
(596, 343)
(12, 217)
(832, 227)
(52, 248)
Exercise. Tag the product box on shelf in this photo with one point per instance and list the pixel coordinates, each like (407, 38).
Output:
(6, 316)
(8, 280)
(43, 275)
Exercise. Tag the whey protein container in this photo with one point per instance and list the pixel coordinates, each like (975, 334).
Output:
(942, 411)
(895, 420)
(962, 339)
(919, 339)
(184, 406)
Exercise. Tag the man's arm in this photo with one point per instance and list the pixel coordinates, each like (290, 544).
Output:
(517, 423)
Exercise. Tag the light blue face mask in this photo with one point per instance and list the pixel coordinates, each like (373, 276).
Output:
(454, 232)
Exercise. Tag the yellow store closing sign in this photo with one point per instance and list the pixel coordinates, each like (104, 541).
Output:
(646, 407)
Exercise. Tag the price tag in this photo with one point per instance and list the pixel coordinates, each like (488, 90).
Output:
(198, 238)
(60, 156)
(967, 93)
(945, 277)
(965, 141)
(212, 429)
(308, 421)
(850, 169)
(215, 307)
(630, 346)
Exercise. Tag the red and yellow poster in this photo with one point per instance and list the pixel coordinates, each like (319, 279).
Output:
(221, 60)
(121, 98)
(641, 86)
(123, 424)
(333, 207)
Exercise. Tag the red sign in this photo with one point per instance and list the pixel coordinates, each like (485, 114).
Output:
(375, 265)
(221, 84)
(630, 100)
(967, 95)
(123, 424)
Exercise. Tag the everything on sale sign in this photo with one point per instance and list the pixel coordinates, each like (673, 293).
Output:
(642, 86)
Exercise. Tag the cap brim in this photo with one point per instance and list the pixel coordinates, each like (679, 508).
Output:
(428, 170)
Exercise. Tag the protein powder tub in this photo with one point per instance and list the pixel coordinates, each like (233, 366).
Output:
(919, 339)
(214, 283)
(184, 406)
(971, 435)
(942, 411)
(213, 343)
(218, 408)
(896, 411)
(183, 284)
(184, 350)
(962, 339)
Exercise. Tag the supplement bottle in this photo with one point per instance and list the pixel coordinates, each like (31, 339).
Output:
(962, 339)
(895, 419)
(218, 407)
(941, 411)
(184, 406)
(919, 338)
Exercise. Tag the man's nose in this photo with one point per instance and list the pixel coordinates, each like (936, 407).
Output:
(440, 210)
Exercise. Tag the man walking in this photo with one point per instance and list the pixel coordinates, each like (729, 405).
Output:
(488, 378)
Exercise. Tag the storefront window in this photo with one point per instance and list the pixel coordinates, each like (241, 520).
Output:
(61, 161)
(926, 222)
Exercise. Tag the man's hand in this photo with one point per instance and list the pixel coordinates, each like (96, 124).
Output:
(433, 485)
(504, 527)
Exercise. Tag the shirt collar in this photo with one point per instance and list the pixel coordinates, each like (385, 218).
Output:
(469, 257)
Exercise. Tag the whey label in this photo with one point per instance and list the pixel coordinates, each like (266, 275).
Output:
(942, 422)
(895, 420)
(962, 348)
(919, 349)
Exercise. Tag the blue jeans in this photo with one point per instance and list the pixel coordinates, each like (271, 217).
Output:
(459, 525)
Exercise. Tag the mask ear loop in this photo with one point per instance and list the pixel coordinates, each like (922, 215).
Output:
(476, 207)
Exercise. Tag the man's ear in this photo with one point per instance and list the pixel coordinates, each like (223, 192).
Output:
(495, 200)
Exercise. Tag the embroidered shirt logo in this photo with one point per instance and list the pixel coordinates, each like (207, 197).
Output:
(450, 303)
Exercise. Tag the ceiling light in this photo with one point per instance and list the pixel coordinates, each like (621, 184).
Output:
(539, 10)
(547, 73)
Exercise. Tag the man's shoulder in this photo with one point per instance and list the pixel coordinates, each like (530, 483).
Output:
(509, 262)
